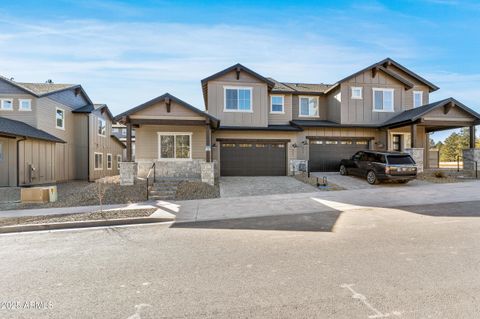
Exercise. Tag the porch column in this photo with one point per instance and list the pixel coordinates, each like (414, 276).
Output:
(427, 149)
(472, 136)
(387, 142)
(129, 142)
(413, 130)
(208, 143)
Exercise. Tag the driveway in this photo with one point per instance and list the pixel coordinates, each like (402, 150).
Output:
(354, 182)
(262, 185)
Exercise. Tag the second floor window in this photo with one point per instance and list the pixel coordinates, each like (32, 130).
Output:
(417, 98)
(119, 160)
(102, 127)
(308, 106)
(383, 100)
(276, 104)
(357, 93)
(25, 105)
(238, 99)
(60, 119)
(6, 104)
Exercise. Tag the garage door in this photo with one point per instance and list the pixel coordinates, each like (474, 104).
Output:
(241, 158)
(326, 154)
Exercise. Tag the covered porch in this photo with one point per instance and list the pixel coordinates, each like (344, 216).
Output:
(410, 131)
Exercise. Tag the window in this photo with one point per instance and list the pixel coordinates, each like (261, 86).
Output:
(383, 100)
(98, 161)
(6, 104)
(1, 151)
(24, 105)
(276, 104)
(60, 118)
(175, 146)
(114, 130)
(109, 161)
(119, 160)
(124, 132)
(102, 127)
(357, 93)
(417, 98)
(238, 99)
(308, 106)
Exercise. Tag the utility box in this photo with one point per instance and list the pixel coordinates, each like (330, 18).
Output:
(35, 195)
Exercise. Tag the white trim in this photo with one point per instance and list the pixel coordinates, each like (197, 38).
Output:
(283, 104)
(353, 88)
(421, 98)
(5, 109)
(300, 106)
(119, 161)
(111, 161)
(95, 162)
(406, 138)
(225, 88)
(63, 121)
(20, 105)
(383, 90)
(159, 134)
(98, 126)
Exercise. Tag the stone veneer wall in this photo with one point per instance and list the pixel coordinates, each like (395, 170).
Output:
(470, 156)
(209, 172)
(190, 169)
(417, 155)
(128, 173)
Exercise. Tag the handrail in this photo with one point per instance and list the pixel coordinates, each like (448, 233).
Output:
(148, 176)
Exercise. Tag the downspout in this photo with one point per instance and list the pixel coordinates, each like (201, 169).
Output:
(18, 159)
(88, 147)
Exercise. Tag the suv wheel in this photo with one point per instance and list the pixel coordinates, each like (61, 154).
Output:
(372, 178)
(343, 170)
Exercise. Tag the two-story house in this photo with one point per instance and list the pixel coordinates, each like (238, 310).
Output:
(255, 125)
(53, 132)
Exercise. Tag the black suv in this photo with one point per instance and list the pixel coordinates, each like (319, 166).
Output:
(380, 166)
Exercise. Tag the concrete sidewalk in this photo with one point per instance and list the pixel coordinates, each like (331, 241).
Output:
(287, 204)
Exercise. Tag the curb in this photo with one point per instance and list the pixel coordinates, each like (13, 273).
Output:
(84, 224)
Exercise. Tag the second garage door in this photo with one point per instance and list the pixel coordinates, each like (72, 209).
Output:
(326, 154)
(242, 158)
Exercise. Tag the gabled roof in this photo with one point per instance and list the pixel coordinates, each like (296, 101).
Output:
(10, 127)
(415, 114)
(117, 140)
(45, 89)
(383, 66)
(240, 68)
(162, 98)
(299, 88)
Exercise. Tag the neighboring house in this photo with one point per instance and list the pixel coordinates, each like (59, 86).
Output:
(254, 125)
(53, 133)
(120, 131)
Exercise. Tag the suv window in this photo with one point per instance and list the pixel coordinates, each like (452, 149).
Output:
(400, 159)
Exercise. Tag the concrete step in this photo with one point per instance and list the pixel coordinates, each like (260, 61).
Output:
(158, 197)
(167, 193)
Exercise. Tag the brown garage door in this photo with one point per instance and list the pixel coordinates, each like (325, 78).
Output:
(242, 158)
(326, 154)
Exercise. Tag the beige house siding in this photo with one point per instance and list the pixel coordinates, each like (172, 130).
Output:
(159, 111)
(322, 108)
(302, 141)
(292, 136)
(454, 114)
(29, 117)
(39, 155)
(260, 104)
(81, 143)
(277, 118)
(334, 106)
(8, 165)
(146, 137)
(65, 153)
(102, 144)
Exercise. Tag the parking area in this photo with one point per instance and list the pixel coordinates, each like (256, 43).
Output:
(262, 185)
(354, 182)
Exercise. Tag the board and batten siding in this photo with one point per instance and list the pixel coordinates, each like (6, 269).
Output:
(39, 155)
(81, 146)
(8, 165)
(102, 144)
(29, 117)
(279, 118)
(65, 153)
(260, 104)
(146, 146)
(159, 111)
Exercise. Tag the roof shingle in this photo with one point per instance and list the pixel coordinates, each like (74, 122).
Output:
(16, 128)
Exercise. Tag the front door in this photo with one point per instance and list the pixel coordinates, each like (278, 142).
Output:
(397, 142)
(4, 169)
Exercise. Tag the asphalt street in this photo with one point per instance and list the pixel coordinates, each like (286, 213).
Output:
(357, 262)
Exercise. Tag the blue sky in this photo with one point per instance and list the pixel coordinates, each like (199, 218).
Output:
(127, 52)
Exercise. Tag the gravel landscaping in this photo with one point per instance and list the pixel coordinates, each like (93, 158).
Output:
(444, 176)
(81, 193)
(188, 190)
(104, 215)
